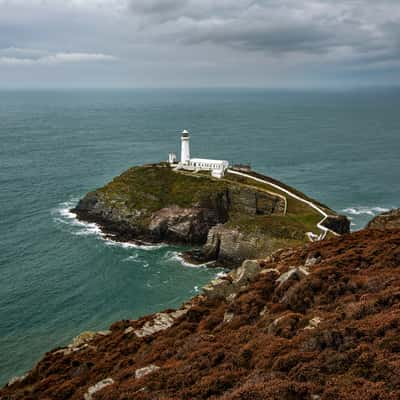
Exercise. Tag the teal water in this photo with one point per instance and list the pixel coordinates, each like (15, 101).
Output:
(59, 277)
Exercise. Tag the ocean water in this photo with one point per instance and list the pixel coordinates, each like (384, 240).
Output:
(59, 277)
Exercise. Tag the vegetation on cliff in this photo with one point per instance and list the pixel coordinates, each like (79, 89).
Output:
(156, 203)
(319, 322)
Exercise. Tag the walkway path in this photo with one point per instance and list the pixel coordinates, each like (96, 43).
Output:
(324, 229)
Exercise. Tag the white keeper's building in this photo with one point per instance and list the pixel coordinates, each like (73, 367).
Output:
(217, 167)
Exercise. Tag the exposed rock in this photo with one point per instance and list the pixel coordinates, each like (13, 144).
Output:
(337, 223)
(246, 272)
(128, 330)
(139, 373)
(296, 273)
(313, 323)
(219, 288)
(230, 247)
(83, 338)
(183, 224)
(386, 220)
(160, 322)
(228, 316)
(231, 297)
(81, 342)
(313, 259)
(263, 311)
(97, 387)
(104, 333)
(284, 325)
(270, 270)
(226, 286)
(16, 379)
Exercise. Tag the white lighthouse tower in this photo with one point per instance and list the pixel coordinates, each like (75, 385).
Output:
(185, 148)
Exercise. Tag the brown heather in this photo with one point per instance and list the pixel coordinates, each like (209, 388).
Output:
(267, 349)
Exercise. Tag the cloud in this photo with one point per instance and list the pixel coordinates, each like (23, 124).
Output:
(274, 26)
(49, 59)
(160, 41)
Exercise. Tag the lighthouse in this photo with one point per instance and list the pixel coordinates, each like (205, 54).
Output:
(185, 148)
(216, 167)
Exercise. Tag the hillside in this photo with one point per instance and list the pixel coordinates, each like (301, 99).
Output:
(234, 218)
(319, 322)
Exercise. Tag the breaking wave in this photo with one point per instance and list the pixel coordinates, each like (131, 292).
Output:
(361, 210)
(177, 257)
(62, 214)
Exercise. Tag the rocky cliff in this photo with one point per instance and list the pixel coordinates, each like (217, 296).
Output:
(386, 220)
(232, 217)
(319, 322)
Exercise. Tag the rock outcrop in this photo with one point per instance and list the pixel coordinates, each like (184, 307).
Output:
(386, 220)
(141, 216)
(320, 321)
(338, 223)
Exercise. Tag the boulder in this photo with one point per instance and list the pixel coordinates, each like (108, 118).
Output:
(139, 373)
(246, 272)
(313, 323)
(228, 316)
(219, 288)
(97, 387)
(160, 322)
(294, 273)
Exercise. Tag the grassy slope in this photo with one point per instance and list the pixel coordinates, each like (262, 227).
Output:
(156, 186)
(299, 217)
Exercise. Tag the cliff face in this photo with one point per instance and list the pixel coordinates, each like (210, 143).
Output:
(387, 220)
(230, 245)
(319, 322)
(234, 219)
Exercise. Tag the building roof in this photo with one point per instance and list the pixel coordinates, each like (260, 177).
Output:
(185, 133)
(208, 161)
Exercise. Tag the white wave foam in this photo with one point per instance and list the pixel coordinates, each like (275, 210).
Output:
(131, 258)
(62, 214)
(130, 245)
(361, 210)
(177, 256)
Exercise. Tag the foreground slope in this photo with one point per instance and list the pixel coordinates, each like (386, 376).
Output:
(318, 322)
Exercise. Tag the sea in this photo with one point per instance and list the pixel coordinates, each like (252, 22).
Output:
(60, 277)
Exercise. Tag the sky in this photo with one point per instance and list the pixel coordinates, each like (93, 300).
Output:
(199, 43)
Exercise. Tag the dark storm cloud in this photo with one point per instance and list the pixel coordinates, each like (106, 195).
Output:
(312, 26)
(202, 40)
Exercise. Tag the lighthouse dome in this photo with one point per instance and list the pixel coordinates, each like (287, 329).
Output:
(185, 133)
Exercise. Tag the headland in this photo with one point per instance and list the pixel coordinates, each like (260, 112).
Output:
(242, 215)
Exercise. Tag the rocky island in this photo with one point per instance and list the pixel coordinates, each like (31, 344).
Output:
(237, 217)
